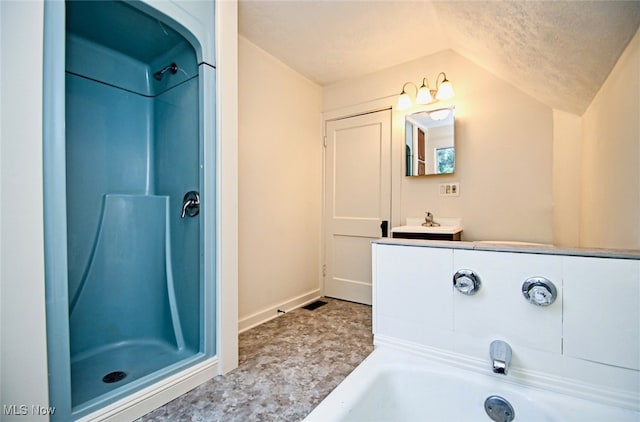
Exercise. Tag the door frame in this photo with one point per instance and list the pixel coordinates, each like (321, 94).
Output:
(397, 150)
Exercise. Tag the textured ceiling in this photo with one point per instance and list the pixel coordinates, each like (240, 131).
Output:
(559, 52)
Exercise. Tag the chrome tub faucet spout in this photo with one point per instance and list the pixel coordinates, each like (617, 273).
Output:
(500, 353)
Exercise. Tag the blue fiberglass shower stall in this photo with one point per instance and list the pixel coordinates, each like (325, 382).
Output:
(129, 200)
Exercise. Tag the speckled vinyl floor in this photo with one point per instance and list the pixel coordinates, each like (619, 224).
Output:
(287, 366)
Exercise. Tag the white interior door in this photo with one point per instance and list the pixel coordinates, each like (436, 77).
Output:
(357, 200)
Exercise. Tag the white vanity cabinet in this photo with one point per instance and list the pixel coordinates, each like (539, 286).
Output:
(499, 310)
(601, 310)
(412, 293)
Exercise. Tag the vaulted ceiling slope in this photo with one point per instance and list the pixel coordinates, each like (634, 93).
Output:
(559, 52)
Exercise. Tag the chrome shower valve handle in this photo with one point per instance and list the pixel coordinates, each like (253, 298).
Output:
(190, 204)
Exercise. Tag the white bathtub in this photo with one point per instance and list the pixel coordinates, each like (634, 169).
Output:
(393, 385)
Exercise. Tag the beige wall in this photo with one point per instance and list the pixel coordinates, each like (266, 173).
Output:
(504, 150)
(280, 179)
(567, 145)
(610, 190)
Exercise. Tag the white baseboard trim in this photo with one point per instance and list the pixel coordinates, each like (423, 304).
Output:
(156, 395)
(271, 312)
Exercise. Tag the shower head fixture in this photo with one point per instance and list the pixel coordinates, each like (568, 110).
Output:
(173, 68)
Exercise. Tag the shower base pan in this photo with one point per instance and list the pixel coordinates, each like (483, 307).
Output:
(115, 366)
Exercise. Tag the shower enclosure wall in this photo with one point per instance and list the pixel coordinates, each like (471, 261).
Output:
(139, 210)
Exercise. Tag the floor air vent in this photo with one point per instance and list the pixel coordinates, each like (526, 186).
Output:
(314, 305)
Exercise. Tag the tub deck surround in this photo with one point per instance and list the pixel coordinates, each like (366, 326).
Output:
(515, 247)
(585, 344)
(398, 385)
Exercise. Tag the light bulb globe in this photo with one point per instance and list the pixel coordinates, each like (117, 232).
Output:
(424, 95)
(445, 91)
(404, 101)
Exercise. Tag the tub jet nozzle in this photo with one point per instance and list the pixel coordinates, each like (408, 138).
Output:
(173, 68)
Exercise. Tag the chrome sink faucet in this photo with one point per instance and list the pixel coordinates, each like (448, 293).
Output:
(500, 353)
(428, 221)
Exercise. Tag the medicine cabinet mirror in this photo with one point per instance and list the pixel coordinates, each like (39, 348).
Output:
(430, 146)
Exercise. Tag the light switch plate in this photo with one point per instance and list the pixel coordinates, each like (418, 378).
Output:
(449, 189)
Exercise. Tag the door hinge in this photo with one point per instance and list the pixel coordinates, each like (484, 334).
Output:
(324, 140)
(324, 270)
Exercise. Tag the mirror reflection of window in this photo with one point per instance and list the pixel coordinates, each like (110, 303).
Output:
(445, 159)
(430, 147)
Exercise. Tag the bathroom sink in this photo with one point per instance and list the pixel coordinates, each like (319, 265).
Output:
(423, 229)
(449, 229)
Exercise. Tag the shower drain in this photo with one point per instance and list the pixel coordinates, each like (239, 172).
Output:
(114, 376)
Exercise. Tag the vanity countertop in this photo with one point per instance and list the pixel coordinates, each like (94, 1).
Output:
(429, 229)
(515, 247)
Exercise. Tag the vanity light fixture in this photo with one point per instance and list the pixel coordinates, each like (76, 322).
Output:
(426, 95)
